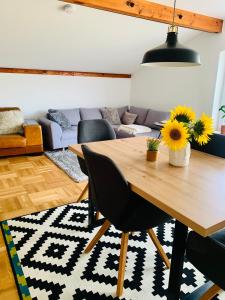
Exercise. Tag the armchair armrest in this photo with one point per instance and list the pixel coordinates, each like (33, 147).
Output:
(32, 133)
(52, 133)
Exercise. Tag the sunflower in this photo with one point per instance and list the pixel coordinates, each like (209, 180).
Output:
(203, 128)
(175, 135)
(182, 114)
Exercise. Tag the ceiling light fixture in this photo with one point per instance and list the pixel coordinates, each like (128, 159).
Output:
(171, 53)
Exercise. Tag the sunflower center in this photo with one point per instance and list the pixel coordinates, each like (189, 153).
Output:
(175, 134)
(199, 127)
(182, 118)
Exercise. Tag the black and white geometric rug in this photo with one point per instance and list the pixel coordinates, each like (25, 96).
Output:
(47, 255)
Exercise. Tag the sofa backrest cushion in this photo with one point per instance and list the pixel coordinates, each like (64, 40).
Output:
(122, 110)
(90, 113)
(72, 114)
(141, 114)
(155, 116)
(11, 121)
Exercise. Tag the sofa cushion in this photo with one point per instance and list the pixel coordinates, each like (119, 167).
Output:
(59, 118)
(155, 116)
(122, 110)
(12, 141)
(90, 113)
(111, 114)
(69, 133)
(141, 112)
(73, 115)
(128, 118)
(11, 121)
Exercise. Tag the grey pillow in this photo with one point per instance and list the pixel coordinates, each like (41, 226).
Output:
(111, 115)
(59, 118)
(128, 118)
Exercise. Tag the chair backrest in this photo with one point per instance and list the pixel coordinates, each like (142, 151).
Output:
(109, 188)
(95, 130)
(216, 146)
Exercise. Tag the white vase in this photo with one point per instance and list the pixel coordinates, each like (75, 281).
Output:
(180, 158)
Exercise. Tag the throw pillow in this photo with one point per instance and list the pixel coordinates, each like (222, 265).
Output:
(11, 121)
(111, 115)
(128, 118)
(59, 118)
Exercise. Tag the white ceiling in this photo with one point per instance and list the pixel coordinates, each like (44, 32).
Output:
(38, 34)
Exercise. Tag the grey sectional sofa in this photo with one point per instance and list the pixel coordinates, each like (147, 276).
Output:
(55, 137)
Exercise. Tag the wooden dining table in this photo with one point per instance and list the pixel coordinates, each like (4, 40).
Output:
(194, 195)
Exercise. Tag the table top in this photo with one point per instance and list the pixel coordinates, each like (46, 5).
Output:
(194, 195)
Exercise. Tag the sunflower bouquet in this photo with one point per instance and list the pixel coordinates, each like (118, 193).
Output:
(182, 128)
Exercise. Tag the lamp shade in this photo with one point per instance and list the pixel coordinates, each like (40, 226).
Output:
(171, 54)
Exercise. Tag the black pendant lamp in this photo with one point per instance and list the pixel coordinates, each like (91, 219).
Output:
(171, 53)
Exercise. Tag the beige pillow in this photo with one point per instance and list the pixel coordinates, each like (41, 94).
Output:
(11, 121)
(111, 114)
(128, 118)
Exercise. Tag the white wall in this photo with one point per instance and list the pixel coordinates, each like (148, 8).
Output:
(162, 88)
(34, 94)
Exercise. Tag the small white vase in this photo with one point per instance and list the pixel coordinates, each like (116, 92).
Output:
(180, 158)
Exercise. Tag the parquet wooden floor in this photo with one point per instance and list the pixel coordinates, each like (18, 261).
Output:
(29, 184)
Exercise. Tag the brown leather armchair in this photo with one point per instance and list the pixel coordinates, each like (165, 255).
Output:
(30, 141)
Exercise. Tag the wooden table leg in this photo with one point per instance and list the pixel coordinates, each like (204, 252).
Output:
(177, 261)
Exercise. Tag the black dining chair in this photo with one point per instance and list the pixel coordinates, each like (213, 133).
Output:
(216, 145)
(121, 207)
(92, 131)
(208, 256)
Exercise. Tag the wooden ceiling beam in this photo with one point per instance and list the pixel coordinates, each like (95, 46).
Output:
(62, 73)
(155, 12)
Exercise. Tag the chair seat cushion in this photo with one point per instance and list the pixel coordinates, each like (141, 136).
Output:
(141, 215)
(208, 255)
(12, 141)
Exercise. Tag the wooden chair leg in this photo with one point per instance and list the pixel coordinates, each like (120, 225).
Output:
(97, 237)
(97, 215)
(122, 263)
(211, 293)
(82, 193)
(158, 246)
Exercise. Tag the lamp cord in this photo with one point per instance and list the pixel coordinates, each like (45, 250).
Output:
(174, 10)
